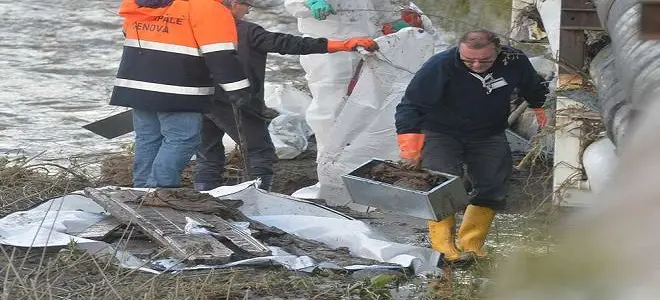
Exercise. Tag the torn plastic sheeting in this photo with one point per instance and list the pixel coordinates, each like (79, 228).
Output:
(319, 223)
(279, 257)
(49, 224)
(355, 235)
(257, 202)
(55, 222)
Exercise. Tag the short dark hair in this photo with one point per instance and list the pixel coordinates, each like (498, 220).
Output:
(478, 39)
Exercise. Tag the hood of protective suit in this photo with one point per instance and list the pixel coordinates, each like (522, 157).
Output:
(143, 9)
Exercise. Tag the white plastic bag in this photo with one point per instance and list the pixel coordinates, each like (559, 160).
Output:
(289, 131)
(290, 134)
(286, 99)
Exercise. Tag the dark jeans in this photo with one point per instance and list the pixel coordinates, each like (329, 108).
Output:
(210, 163)
(488, 160)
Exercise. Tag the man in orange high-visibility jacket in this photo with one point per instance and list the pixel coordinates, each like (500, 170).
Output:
(175, 53)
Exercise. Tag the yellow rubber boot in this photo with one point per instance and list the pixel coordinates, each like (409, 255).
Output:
(474, 228)
(441, 234)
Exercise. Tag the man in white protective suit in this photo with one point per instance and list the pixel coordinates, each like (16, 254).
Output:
(352, 126)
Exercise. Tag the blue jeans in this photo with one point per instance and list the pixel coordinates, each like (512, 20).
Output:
(164, 144)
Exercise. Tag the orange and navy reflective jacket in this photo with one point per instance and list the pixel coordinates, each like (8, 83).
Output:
(174, 51)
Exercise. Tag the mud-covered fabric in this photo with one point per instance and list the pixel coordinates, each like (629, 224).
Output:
(488, 160)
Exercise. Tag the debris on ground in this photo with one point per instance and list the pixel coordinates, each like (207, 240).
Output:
(162, 213)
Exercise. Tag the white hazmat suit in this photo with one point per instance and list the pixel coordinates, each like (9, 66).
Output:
(351, 130)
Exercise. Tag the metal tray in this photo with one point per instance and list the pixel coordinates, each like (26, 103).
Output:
(440, 202)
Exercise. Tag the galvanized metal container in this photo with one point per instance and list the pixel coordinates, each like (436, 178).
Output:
(436, 204)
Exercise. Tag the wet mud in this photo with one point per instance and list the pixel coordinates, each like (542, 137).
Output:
(186, 199)
(396, 174)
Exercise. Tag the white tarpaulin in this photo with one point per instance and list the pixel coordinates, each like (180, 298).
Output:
(352, 130)
(319, 223)
(56, 222)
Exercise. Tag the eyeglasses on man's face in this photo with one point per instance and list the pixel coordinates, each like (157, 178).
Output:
(473, 61)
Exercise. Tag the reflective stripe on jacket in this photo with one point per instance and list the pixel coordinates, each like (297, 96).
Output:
(173, 55)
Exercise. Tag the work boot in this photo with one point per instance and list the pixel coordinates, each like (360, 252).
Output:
(441, 234)
(473, 230)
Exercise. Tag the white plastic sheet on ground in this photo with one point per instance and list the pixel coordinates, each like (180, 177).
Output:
(55, 223)
(50, 223)
(352, 130)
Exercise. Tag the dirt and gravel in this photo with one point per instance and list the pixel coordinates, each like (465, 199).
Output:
(396, 173)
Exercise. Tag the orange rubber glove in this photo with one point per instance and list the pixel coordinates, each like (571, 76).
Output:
(410, 147)
(541, 117)
(352, 44)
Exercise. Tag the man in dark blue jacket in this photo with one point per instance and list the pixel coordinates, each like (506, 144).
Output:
(254, 44)
(454, 113)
